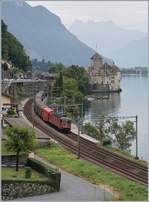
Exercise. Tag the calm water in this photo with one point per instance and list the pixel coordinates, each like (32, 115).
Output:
(133, 100)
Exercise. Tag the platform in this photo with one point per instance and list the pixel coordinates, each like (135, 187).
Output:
(74, 129)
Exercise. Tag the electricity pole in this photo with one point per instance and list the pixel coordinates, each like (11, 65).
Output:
(80, 121)
(136, 137)
(78, 139)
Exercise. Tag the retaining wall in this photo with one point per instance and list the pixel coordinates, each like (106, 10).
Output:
(12, 190)
(16, 188)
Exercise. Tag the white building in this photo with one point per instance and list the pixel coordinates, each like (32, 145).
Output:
(103, 77)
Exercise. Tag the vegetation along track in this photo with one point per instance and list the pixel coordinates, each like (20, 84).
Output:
(91, 151)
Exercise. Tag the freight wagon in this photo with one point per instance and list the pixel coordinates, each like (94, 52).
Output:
(50, 115)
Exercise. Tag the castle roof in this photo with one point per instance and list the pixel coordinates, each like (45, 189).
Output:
(96, 56)
(113, 68)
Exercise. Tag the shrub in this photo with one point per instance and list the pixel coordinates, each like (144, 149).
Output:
(11, 111)
(39, 166)
(106, 142)
(15, 175)
(28, 173)
(53, 175)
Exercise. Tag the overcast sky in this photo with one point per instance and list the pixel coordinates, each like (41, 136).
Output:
(126, 14)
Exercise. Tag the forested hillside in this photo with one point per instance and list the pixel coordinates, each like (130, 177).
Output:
(13, 50)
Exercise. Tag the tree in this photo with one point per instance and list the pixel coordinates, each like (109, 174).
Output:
(123, 134)
(71, 91)
(91, 130)
(13, 50)
(20, 139)
(58, 85)
(57, 67)
(103, 128)
(80, 75)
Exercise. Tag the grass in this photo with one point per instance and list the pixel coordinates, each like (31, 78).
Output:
(125, 189)
(9, 173)
(126, 154)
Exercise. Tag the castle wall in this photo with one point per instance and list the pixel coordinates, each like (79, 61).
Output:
(103, 77)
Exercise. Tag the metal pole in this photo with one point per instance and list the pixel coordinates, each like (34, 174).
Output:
(79, 129)
(78, 140)
(64, 104)
(136, 138)
(104, 193)
(33, 110)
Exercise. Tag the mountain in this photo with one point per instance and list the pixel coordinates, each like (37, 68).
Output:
(109, 37)
(13, 51)
(43, 35)
(133, 54)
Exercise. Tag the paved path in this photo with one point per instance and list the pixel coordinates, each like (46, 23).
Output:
(73, 188)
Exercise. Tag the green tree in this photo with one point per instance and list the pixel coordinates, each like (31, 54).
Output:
(103, 128)
(13, 50)
(91, 130)
(80, 75)
(71, 91)
(57, 67)
(20, 139)
(58, 85)
(123, 134)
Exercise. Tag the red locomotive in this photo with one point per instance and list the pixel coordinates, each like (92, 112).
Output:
(49, 115)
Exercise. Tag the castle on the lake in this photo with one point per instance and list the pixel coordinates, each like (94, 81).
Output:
(103, 77)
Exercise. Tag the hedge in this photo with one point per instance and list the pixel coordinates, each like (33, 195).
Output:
(53, 175)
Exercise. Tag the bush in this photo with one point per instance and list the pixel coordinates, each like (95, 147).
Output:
(106, 142)
(53, 175)
(28, 173)
(39, 166)
(91, 130)
(11, 111)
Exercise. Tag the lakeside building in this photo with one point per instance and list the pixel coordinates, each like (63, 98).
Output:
(103, 77)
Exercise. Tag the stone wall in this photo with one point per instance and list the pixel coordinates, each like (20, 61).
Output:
(24, 87)
(12, 190)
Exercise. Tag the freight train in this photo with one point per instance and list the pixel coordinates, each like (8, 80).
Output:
(50, 114)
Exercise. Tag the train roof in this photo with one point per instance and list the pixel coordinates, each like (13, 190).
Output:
(59, 114)
(53, 105)
(65, 118)
(48, 109)
(40, 93)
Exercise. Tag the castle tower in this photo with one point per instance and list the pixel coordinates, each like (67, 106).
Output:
(96, 61)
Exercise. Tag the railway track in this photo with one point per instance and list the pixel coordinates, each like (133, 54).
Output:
(91, 151)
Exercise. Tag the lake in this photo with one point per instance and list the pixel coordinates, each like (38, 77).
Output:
(133, 100)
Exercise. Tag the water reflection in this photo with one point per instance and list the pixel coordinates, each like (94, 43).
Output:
(107, 106)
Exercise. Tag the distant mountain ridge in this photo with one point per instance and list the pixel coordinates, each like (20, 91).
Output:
(133, 54)
(111, 39)
(44, 36)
